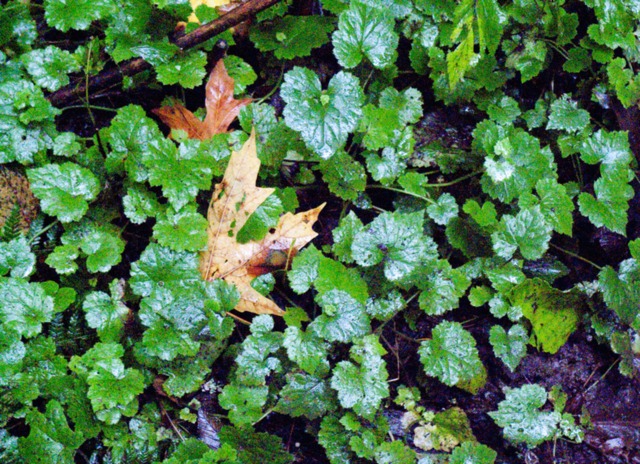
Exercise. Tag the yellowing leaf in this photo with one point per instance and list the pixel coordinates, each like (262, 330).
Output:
(232, 203)
(210, 3)
(221, 107)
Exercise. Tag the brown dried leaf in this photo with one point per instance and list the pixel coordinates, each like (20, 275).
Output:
(221, 107)
(233, 201)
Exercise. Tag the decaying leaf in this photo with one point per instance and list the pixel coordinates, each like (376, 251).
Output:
(233, 201)
(221, 107)
(16, 199)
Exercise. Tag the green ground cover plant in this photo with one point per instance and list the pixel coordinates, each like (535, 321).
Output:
(114, 349)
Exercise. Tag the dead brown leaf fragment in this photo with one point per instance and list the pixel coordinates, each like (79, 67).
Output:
(233, 201)
(221, 107)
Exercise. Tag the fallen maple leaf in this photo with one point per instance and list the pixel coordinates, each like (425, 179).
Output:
(221, 107)
(233, 201)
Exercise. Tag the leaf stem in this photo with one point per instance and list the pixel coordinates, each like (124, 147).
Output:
(238, 318)
(93, 107)
(455, 181)
(269, 411)
(275, 87)
(575, 255)
(43, 231)
(393, 189)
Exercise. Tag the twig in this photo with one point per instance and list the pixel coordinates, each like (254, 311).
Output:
(113, 76)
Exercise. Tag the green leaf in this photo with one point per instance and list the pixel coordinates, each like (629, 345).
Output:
(335, 440)
(12, 353)
(485, 216)
(611, 149)
(609, 207)
(305, 395)
(504, 277)
(510, 347)
(103, 247)
(578, 60)
(491, 21)
(292, 36)
(442, 289)
(304, 269)
(397, 241)
(479, 296)
(398, 9)
(529, 60)
(49, 67)
(195, 451)
(473, 453)
(333, 275)
(106, 313)
(113, 390)
(243, 403)
(25, 306)
(362, 386)
(556, 205)
(130, 135)
(384, 308)
(621, 290)
(365, 32)
(254, 360)
(565, 115)
(459, 60)
(343, 318)
(139, 204)
(443, 210)
(520, 416)
(537, 116)
(514, 161)
(623, 79)
(16, 257)
(165, 342)
(186, 69)
(343, 236)
(192, 160)
(505, 111)
(323, 118)
(379, 125)
(241, 72)
(527, 231)
(50, 436)
(307, 350)
(62, 259)
(78, 15)
(18, 25)
(160, 267)
(99, 242)
(64, 190)
(553, 314)
(449, 428)
(394, 452)
(345, 177)
(253, 447)
(261, 220)
(66, 144)
(185, 230)
(407, 103)
(450, 354)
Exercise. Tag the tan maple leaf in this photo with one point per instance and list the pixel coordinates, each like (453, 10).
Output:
(233, 201)
(221, 107)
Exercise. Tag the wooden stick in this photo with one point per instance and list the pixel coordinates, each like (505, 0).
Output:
(109, 77)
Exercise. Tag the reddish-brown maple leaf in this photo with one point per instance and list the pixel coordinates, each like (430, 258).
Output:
(233, 201)
(221, 107)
